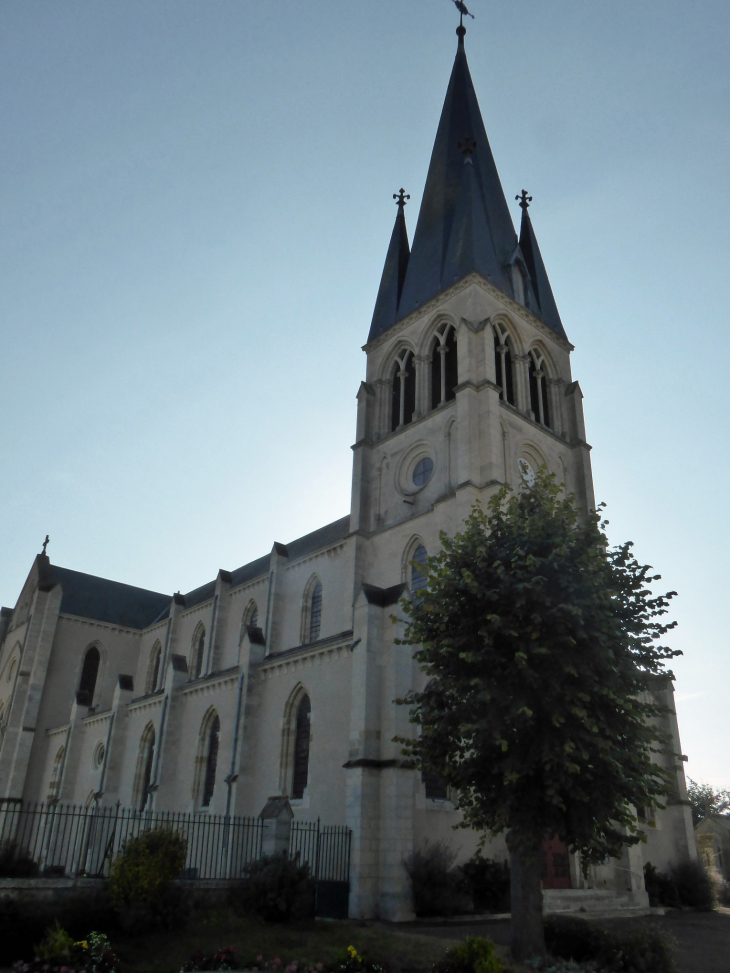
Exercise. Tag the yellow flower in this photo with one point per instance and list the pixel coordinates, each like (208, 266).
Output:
(83, 943)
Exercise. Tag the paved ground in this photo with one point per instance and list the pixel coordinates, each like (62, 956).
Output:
(703, 938)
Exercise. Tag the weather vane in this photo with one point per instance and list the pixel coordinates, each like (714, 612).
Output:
(400, 198)
(524, 200)
(463, 9)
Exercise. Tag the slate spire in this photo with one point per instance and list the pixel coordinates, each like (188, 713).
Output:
(394, 272)
(548, 309)
(427, 274)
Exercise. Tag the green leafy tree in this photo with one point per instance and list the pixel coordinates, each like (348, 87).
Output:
(540, 644)
(706, 801)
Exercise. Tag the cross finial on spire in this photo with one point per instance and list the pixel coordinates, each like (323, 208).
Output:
(524, 200)
(400, 197)
(45, 543)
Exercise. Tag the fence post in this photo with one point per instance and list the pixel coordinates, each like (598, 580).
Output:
(276, 818)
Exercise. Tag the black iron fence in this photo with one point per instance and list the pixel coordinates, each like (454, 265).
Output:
(51, 840)
(326, 849)
(55, 840)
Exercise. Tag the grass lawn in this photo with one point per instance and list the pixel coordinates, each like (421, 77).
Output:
(319, 941)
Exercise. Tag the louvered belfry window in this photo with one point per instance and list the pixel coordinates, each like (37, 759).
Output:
(211, 762)
(301, 749)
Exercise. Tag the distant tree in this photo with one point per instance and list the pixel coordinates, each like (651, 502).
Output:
(706, 801)
(539, 644)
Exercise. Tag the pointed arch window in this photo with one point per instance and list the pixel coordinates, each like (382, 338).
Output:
(300, 773)
(211, 741)
(198, 652)
(403, 405)
(435, 786)
(444, 367)
(89, 674)
(145, 763)
(538, 390)
(54, 786)
(153, 671)
(315, 612)
(419, 578)
(503, 366)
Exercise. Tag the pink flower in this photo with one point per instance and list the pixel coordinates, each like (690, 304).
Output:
(277, 961)
(259, 958)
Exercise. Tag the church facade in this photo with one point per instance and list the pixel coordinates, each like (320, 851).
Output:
(278, 678)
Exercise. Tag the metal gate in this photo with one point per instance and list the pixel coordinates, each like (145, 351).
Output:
(327, 852)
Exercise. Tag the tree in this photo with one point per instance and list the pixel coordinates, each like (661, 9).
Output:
(539, 644)
(707, 802)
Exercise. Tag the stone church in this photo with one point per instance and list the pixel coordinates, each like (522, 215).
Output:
(278, 677)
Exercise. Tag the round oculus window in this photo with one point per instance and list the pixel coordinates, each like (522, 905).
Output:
(423, 471)
(99, 754)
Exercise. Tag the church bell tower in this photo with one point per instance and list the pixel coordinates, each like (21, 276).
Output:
(468, 365)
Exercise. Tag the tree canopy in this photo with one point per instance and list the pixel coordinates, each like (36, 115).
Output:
(706, 801)
(539, 641)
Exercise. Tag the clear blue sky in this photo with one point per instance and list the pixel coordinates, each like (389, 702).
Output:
(195, 206)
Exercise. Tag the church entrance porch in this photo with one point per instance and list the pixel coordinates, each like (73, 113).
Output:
(555, 864)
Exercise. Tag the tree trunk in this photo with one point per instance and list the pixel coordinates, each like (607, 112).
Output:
(527, 935)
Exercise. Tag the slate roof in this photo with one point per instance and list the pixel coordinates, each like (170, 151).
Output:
(87, 596)
(464, 224)
(106, 601)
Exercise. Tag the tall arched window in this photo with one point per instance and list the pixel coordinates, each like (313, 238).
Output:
(538, 389)
(153, 670)
(418, 571)
(404, 390)
(301, 748)
(315, 612)
(250, 616)
(503, 366)
(145, 764)
(436, 789)
(54, 785)
(89, 673)
(198, 652)
(444, 367)
(211, 741)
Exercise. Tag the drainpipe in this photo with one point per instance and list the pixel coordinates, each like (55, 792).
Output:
(154, 784)
(233, 776)
(100, 792)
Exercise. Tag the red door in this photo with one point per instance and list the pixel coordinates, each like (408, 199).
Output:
(555, 864)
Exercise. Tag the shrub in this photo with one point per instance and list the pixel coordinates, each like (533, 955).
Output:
(14, 864)
(694, 885)
(140, 876)
(660, 887)
(58, 953)
(642, 949)
(439, 889)
(56, 943)
(489, 883)
(474, 955)
(278, 889)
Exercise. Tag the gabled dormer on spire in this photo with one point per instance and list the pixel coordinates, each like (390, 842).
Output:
(482, 197)
(548, 309)
(394, 272)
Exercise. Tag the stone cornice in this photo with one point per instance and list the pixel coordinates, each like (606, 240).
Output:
(198, 607)
(332, 549)
(326, 650)
(97, 718)
(436, 302)
(145, 702)
(94, 623)
(55, 731)
(214, 683)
